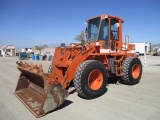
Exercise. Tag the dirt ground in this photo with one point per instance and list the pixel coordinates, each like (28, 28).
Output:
(120, 102)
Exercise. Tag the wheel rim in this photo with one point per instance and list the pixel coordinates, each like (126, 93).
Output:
(95, 79)
(135, 71)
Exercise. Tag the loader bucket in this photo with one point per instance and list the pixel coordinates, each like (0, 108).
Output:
(38, 91)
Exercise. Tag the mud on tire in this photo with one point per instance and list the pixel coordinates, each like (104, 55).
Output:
(90, 79)
(132, 70)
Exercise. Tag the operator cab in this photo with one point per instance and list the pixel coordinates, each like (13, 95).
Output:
(105, 29)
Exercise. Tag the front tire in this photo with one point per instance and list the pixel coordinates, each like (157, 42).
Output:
(90, 79)
(132, 70)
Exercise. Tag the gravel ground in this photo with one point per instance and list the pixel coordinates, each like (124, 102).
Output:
(122, 102)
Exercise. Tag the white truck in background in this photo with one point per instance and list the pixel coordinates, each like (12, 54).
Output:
(142, 47)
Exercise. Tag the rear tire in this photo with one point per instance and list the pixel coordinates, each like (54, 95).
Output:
(132, 70)
(90, 79)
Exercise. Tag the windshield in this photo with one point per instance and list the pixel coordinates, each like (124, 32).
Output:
(103, 33)
(93, 26)
(103, 30)
(114, 30)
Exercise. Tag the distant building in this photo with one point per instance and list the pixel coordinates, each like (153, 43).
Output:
(49, 50)
(8, 50)
(142, 47)
(44, 51)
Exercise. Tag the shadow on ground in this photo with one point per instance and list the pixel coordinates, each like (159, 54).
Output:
(114, 80)
(65, 104)
(154, 65)
(111, 80)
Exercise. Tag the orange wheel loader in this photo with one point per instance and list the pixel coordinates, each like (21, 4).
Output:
(88, 65)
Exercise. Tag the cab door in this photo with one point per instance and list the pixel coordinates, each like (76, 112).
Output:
(113, 33)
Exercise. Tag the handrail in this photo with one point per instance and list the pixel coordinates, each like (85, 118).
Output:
(126, 42)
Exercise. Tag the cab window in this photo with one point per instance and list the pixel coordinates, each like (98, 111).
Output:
(114, 29)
